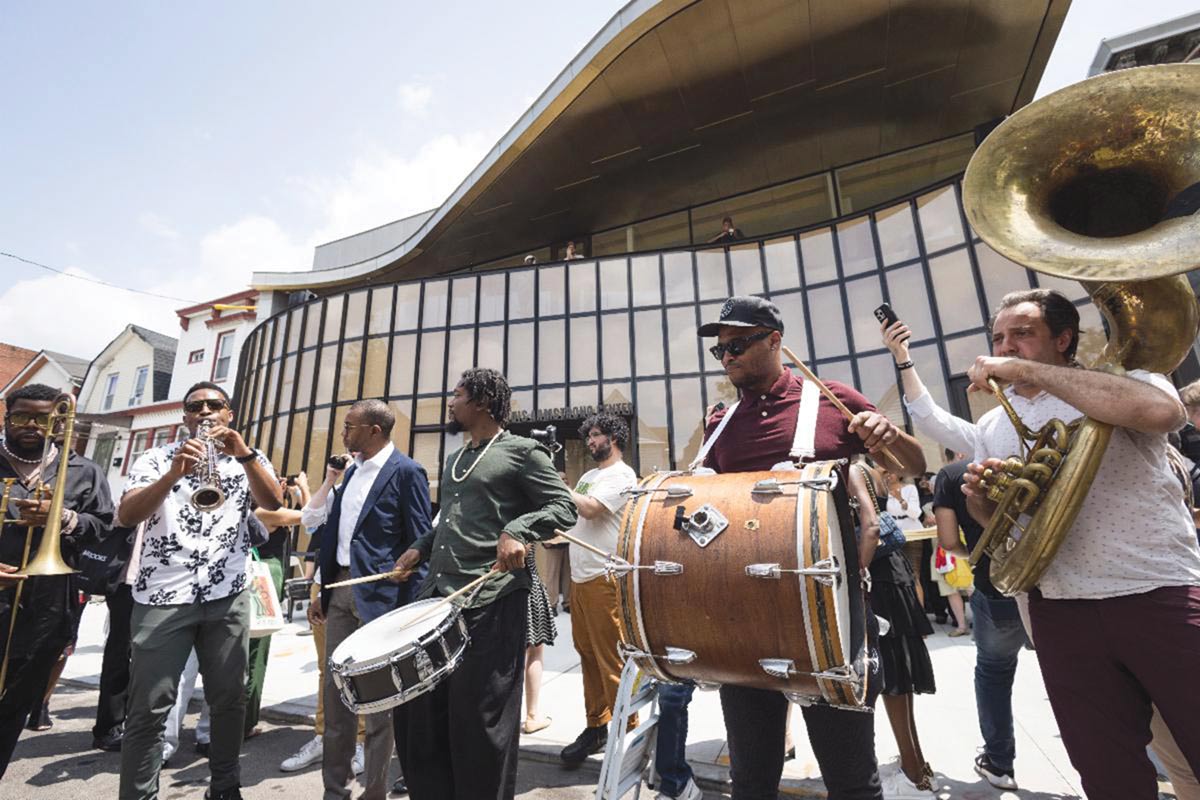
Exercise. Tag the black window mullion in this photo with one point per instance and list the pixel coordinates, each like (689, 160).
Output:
(312, 391)
(287, 436)
(445, 373)
(412, 430)
(837, 261)
(362, 355)
(391, 345)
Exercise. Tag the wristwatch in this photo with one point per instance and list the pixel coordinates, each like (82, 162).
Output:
(246, 459)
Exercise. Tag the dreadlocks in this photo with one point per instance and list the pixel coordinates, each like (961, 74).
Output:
(488, 388)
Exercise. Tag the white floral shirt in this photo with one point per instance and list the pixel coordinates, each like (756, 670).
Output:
(187, 555)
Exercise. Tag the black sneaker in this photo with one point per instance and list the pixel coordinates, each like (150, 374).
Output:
(1000, 778)
(111, 741)
(39, 719)
(399, 788)
(233, 793)
(592, 740)
(202, 749)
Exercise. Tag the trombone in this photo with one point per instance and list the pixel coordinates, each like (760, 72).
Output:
(48, 560)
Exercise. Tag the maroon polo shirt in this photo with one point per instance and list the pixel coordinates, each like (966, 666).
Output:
(763, 426)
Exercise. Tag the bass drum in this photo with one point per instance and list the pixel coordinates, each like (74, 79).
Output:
(749, 579)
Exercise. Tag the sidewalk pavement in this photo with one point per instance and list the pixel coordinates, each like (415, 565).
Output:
(946, 721)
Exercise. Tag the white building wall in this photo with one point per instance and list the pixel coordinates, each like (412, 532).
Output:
(51, 374)
(200, 336)
(118, 465)
(124, 360)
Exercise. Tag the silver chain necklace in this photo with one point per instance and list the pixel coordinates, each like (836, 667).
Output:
(4, 444)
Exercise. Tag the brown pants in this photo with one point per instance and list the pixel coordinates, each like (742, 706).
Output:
(595, 628)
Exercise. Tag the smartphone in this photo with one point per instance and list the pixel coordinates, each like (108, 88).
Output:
(885, 315)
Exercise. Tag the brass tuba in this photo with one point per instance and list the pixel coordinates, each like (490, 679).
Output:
(1076, 185)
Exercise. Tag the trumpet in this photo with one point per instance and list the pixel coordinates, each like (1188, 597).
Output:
(209, 496)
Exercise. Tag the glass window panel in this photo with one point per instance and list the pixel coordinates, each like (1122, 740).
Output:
(646, 288)
(435, 304)
(491, 347)
(304, 378)
(648, 339)
(551, 288)
(857, 246)
(408, 303)
(551, 364)
(863, 296)
(791, 307)
(381, 310)
(877, 378)
(349, 370)
(710, 269)
(551, 399)
(720, 390)
(278, 440)
(376, 372)
(656, 234)
(326, 370)
(520, 294)
(929, 367)
(264, 337)
(652, 448)
(429, 411)
(828, 326)
(520, 354)
(1073, 290)
(816, 250)
(688, 409)
(583, 348)
(433, 345)
(681, 333)
(583, 287)
(897, 174)
(708, 311)
(961, 351)
(461, 355)
(312, 327)
(356, 314)
(404, 348)
(897, 236)
(295, 459)
(277, 347)
(583, 394)
(615, 345)
(790, 205)
(839, 371)
(614, 283)
(954, 285)
(272, 380)
(910, 301)
(402, 409)
(289, 382)
(295, 323)
(427, 452)
(677, 277)
(783, 268)
(746, 267)
(462, 311)
(333, 319)
(318, 444)
(616, 393)
(522, 401)
(941, 224)
(1000, 276)
(491, 298)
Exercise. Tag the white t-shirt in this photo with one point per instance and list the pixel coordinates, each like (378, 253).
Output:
(1133, 533)
(604, 485)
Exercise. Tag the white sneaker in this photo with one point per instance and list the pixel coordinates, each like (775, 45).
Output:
(360, 759)
(690, 792)
(899, 787)
(306, 756)
(168, 751)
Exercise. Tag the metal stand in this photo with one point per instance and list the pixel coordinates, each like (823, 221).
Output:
(628, 754)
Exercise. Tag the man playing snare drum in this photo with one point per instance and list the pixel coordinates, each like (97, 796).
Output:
(760, 434)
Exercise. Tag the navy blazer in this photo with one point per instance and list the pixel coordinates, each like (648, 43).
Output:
(395, 514)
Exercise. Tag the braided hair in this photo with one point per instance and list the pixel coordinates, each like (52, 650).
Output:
(489, 388)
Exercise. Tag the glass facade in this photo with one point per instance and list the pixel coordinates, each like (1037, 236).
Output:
(621, 330)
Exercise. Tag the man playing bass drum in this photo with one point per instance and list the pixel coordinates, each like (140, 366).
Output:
(760, 434)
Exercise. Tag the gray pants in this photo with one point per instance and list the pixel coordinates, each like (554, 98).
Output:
(162, 639)
(341, 724)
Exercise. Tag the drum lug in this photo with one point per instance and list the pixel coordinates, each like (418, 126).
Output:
(676, 490)
(778, 667)
(705, 524)
(667, 568)
(803, 700)
(768, 571)
(678, 655)
(345, 688)
(838, 674)
(622, 567)
(826, 571)
(423, 664)
(767, 486)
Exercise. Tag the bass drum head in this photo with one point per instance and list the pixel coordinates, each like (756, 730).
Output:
(393, 633)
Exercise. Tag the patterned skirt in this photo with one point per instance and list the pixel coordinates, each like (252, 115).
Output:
(539, 622)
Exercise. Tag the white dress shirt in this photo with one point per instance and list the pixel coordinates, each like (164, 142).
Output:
(354, 494)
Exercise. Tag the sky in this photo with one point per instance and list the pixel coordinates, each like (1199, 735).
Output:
(177, 147)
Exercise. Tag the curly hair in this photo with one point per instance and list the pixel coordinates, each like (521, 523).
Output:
(489, 388)
(32, 391)
(610, 425)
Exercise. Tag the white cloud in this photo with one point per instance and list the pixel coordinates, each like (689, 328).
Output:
(153, 223)
(415, 98)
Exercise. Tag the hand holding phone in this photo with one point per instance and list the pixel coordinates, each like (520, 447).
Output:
(885, 315)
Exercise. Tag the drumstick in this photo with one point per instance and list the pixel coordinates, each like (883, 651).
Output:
(370, 578)
(585, 545)
(833, 398)
(429, 612)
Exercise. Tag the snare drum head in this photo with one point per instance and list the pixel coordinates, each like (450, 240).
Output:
(393, 632)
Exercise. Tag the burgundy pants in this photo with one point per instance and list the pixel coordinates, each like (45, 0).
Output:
(1103, 662)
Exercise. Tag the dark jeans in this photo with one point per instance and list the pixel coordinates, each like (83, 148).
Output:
(114, 672)
(1104, 662)
(459, 741)
(670, 757)
(999, 637)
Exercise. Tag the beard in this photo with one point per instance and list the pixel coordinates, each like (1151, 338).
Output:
(454, 427)
(602, 452)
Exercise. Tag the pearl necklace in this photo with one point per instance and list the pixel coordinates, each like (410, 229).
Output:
(454, 467)
(4, 444)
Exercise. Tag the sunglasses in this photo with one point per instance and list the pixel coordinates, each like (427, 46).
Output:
(213, 403)
(735, 347)
(20, 419)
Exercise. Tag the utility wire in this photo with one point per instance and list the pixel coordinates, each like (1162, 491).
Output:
(95, 280)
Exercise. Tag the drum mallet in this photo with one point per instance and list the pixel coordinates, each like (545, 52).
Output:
(370, 578)
(833, 398)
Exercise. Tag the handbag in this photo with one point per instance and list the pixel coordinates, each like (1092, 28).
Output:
(955, 571)
(266, 612)
(891, 538)
(101, 562)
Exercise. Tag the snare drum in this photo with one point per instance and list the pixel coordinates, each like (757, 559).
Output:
(401, 655)
(748, 579)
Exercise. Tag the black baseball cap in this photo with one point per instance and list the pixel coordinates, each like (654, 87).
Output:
(745, 311)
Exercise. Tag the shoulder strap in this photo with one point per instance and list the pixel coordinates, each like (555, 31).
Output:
(870, 481)
(804, 443)
(704, 448)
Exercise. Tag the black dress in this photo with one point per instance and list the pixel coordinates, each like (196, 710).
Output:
(903, 657)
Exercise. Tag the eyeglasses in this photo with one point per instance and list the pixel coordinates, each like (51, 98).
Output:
(20, 419)
(213, 403)
(347, 426)
(735, 347)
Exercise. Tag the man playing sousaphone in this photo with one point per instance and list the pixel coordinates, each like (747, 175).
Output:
(49, 611)
(760, 433)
